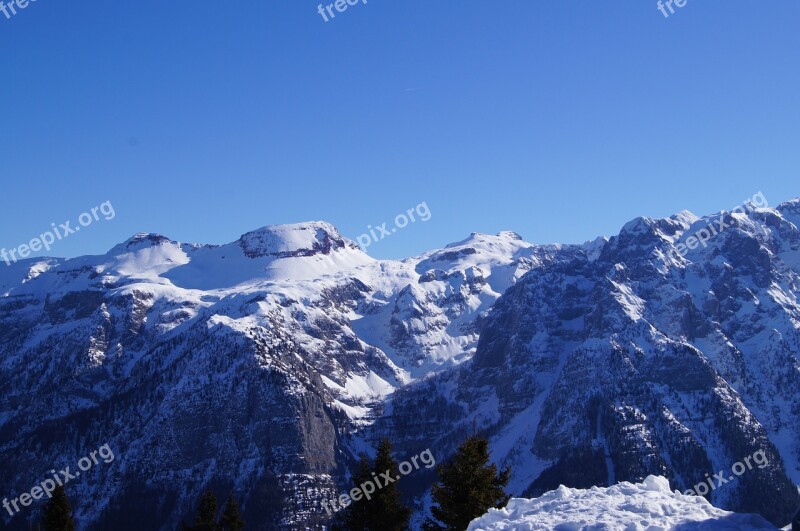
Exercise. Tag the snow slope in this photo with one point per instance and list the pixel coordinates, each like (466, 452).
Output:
(646, 506)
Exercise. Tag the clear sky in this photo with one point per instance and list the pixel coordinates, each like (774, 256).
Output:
(560, 120)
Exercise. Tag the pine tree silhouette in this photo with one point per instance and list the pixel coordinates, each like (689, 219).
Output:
(231, 519)
(384, 511)
(206, 519)
(468, 487)
(357, 515)
(390, 511)
(58, 513)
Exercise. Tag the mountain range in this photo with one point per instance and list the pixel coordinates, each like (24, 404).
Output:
(265, 366)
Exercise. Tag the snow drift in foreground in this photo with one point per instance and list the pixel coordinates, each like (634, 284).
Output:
(646, 506)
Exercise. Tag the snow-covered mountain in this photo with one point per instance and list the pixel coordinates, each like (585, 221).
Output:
(266, 364)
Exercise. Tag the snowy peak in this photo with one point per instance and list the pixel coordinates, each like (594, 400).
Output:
(790, 210)
(793, 205)
(661, 228)
(481, 250)
(139, 241)
(509, 235)
(292, 240)
(685, 217)
(478, 238)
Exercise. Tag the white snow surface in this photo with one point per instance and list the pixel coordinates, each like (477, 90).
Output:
(646, 506)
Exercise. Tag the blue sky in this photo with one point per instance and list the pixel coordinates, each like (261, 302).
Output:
(558, 120)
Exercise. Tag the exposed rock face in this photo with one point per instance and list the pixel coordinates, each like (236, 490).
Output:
(264, 365)
(286, 241)
(639, 361)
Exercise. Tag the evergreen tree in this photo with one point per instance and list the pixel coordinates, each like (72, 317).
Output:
(231, 520)
(389, 510)
(384, 511)
(468, 487)
(58, 513)
(356, 516)
(206, 519)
